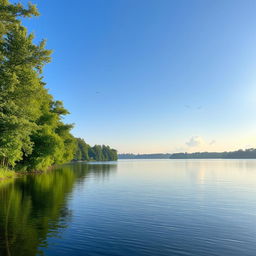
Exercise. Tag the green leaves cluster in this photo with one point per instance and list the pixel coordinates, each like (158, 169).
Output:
(85, 152)
(32, 133)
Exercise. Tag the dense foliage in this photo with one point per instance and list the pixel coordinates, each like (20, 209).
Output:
(32, 133)
(85, 152)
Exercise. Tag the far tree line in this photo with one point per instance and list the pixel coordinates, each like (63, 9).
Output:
(238, 154)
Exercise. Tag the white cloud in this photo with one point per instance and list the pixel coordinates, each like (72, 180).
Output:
(212, 142)
(195, 142)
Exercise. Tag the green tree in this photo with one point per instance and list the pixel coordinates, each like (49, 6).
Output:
(82, 150)
(102, 153)
(53, 143)
(32, 132)
(21, 64)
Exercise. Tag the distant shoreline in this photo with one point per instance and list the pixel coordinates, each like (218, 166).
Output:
(239, 154)
(186, 158)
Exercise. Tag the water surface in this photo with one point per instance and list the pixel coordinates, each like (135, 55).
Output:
(132, 207)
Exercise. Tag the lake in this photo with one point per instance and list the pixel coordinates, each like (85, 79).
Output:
(132, 207)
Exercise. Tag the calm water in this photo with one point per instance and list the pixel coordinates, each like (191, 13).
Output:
(133, 207)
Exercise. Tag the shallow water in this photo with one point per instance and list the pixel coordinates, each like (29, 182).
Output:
(132, 207)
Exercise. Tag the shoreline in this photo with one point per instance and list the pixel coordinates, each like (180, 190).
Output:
(15, 174)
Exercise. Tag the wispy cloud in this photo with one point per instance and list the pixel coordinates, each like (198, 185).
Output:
(195, 142)
(198, 141)
(212, 142)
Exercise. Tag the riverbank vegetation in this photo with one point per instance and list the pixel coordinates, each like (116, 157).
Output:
(33, 134)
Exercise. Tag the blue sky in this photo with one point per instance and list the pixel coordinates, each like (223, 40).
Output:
(154, 75)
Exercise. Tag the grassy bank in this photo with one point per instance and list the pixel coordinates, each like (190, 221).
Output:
(6, 174)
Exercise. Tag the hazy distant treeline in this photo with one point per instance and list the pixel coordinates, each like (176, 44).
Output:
(248, 153)
(239, 154)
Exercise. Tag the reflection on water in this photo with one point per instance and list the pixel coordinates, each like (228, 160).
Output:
(133, 207)
(34, 208)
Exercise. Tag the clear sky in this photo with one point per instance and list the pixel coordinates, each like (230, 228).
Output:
(150, 76)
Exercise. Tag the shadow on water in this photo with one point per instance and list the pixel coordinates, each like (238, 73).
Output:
(35, 207)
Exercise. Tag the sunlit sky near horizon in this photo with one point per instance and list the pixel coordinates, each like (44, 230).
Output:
(146, 76)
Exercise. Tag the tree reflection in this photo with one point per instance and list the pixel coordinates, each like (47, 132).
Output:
(34, 208)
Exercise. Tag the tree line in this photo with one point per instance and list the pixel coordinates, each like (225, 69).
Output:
(239, 154)
(32, 132)
(85, 152)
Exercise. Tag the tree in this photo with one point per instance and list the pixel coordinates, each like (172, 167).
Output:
(82, 150)
(32, 132)
(21, 63)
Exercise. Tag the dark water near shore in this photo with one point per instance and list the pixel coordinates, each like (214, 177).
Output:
(133, 207)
